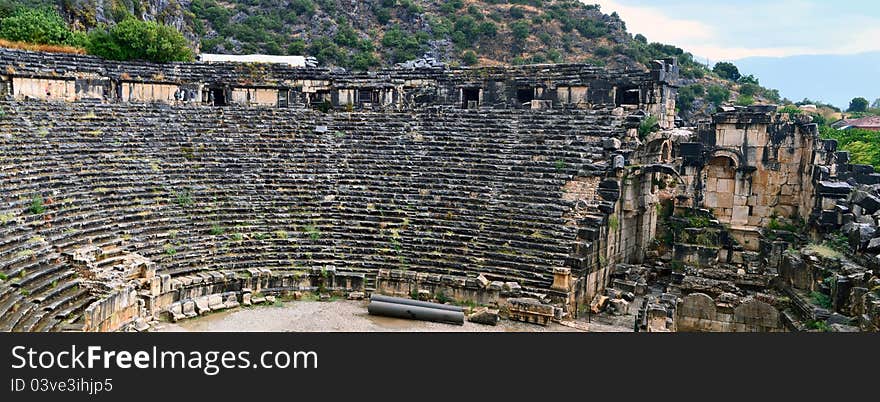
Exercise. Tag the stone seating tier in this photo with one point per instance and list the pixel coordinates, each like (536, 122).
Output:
(441, 191)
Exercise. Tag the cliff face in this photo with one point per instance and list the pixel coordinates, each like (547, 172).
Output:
(376, 33)
(86, 14)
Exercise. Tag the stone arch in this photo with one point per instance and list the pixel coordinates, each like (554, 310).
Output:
(658, 151)
(697, 305)
(756, 316)
(735, 158)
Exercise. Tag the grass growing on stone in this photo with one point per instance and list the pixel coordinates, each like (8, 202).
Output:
(825, 251)
(312, 232)
(6, 218)
(821, 300)
(184, 198)
(170, 250)
(37, 206)
(820, 326)
(560, 164)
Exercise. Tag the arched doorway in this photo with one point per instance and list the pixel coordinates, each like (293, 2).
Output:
(720, 187)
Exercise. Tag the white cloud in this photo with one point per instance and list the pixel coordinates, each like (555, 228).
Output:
(707, 41)
(656, 25)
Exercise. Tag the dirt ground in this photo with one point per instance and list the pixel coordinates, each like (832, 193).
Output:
(339, 316)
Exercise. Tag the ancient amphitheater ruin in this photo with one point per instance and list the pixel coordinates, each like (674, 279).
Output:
(135, 192)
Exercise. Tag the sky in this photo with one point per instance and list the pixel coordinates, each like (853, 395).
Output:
(735, 29)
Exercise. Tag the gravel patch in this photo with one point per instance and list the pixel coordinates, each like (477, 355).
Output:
(336, 316)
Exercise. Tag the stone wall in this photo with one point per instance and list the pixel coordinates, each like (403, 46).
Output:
(112, 312)
(749, 167)
(279, 85)
(698, 312)
(517, 175)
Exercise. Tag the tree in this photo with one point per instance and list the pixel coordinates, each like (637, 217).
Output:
(641, 39)
(520, 30)
(717, 94)
(469, 58)
(876, 104)
(749, 89)
(728, 71)
(41, 26)
(688, 94)
(858, 105)
(749, 79)
(133, 39)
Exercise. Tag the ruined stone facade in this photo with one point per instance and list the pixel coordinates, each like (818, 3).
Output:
(137, 190)
(476, 185)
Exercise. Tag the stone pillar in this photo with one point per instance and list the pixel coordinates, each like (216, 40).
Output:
(561, 279)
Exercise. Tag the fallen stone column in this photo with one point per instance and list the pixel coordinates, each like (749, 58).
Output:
(417, 303)
(415, 312)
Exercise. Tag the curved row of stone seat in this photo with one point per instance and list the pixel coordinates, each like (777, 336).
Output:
(449, 192)
(25, 63)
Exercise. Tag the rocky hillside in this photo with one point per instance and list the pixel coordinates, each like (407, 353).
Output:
(369, 34)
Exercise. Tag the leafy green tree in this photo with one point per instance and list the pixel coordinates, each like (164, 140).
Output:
(749, 89)
(469, 58)
(749, 79)
(688, 94)
(727, 70)
(520, 30)
(488, 29)
(133, 39)
(876, 104)
(41, 26)
(297, 47)
(517, 13)
(861, 144)
(717, 94)
(858, 105)
(745, 100)
(403, 45)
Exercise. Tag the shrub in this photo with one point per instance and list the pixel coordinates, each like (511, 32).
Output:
(790, 109)
(560, 164)
(312, 231)
(728, 71)
(404, 46)
(688, 94)
(40, 26)
(170, 250)
(303, 7)
(749, 89)
(37, 206)
(469, 58)
(139, 40)
(520, 30)
(602, 51)
(858, 105)
(383, 15)
(184, 198)
(296, 47)
(487, 29)
(516, 12)
(745, 100)
(821, 299)
(717, 94)
(648, 126)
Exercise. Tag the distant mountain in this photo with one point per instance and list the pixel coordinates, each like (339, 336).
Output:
(833, 79)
